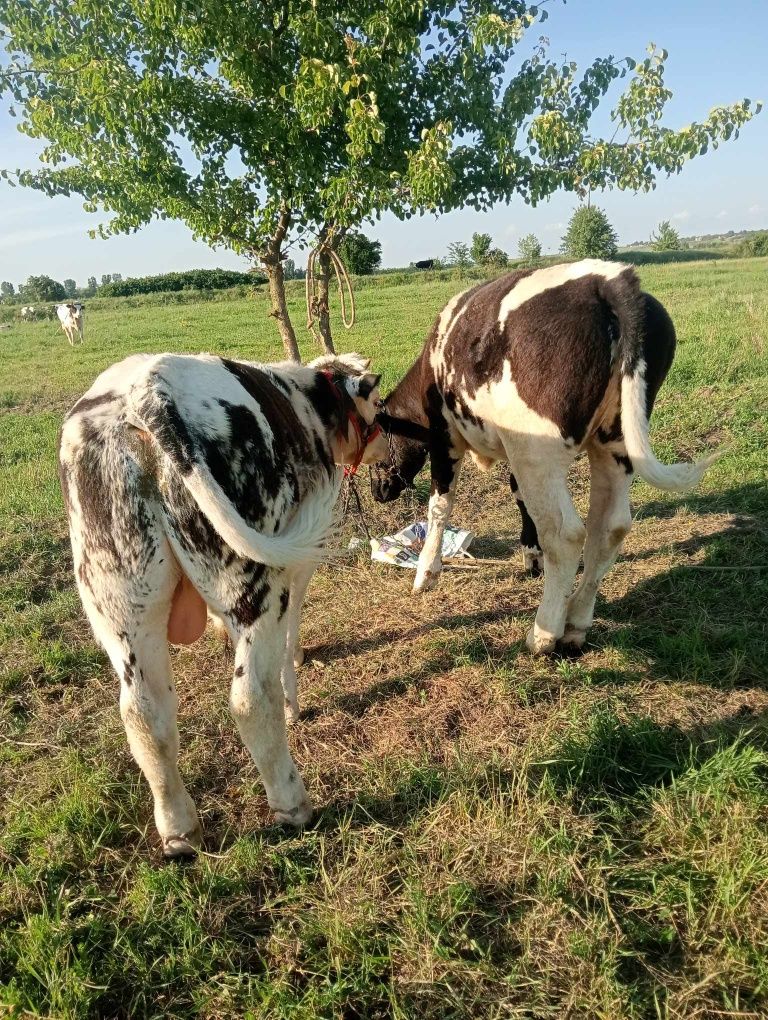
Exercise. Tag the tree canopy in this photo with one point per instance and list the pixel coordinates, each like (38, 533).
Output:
(262, 125)
(42, 288)
(360, 254)
(529, 247)
(667, 238)
(590, 235)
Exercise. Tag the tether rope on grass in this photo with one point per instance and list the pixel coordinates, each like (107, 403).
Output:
(342, 279)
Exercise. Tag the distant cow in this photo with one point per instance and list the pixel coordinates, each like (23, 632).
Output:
(194, 483)
(28, 313)
(71, 319)
(535, 368)
(424, 264)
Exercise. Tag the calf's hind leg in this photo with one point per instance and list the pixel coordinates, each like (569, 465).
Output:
(294, 653)
(137, 645)
(608, 522)
(256, 702)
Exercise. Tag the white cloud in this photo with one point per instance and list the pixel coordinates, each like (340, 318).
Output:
(754, 209)
(20, 237)
(684, 215)
(510, 231)
(722, 214)
(554, 226)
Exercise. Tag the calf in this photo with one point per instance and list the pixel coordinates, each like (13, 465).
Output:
(28, 313)
(71, 319)
(195, 483)
(535, 368)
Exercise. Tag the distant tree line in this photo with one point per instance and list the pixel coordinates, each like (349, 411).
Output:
(45, 289)
(191, 279)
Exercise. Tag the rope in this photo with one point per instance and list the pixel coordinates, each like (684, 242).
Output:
(351, 490)
(342, 279)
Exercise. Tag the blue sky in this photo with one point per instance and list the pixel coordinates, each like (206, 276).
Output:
(717, 55)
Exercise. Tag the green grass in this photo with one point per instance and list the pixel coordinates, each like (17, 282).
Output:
(496, 836)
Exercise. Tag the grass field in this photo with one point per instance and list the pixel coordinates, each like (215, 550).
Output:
(496, 836)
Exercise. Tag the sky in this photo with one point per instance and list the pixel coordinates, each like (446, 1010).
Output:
(716, 56)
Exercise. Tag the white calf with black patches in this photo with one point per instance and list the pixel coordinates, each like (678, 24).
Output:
(535, 368)
(70, 316)
(197, 484)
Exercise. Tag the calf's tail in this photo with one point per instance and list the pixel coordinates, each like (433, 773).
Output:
(301, 541)
(623, 295)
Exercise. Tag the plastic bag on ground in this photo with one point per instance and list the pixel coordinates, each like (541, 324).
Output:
(402, 549)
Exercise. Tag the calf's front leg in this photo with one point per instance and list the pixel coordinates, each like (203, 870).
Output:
(445, 467)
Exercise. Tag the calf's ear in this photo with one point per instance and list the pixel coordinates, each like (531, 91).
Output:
(367, 384)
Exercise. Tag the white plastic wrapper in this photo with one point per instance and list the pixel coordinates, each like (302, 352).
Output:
(402, 549)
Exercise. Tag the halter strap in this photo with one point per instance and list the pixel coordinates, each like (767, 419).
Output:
(402, 427)
(353, 418)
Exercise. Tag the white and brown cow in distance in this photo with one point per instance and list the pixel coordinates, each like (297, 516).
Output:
(70, 316)
(195, 483)
(535, 368)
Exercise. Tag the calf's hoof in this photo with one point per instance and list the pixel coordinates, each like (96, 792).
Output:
(572, 642)
(183, 845)
(425, 581)
(298, 656)
(291, 713)
(533, 560)
(296, 817)
(540, 642)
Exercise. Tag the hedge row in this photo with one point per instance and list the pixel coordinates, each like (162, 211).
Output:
(192, 279)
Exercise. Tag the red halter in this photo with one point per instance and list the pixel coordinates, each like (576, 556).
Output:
(353, 419)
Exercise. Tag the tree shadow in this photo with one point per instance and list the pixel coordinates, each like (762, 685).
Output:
(657, 258)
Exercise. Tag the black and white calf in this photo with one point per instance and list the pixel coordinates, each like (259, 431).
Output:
(195, 483)
(70, 316)
(535, 368)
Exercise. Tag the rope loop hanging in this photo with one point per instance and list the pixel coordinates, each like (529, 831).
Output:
(342, 281)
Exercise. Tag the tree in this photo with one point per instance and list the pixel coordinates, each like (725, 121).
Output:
(529, 248)
(667, 238)
(105, 279)
(42, 288)
(496, 258)
(359, 253)
(481, 245)
(590, 235)
(70, 288)
(459, 255)
(7, 290)
(92, 285)
(261, 124)
(291, 271)
(757, 244)
(117, 277)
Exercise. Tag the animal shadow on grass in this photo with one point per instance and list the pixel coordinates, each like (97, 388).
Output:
(705, 621)
(739, 499)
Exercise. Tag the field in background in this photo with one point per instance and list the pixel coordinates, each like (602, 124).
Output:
(496, 836)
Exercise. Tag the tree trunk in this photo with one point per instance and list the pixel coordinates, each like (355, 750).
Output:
(323, 301)
(279, 311)
(272, 262)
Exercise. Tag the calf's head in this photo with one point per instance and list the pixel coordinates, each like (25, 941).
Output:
(359, 440)
(406, 455)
